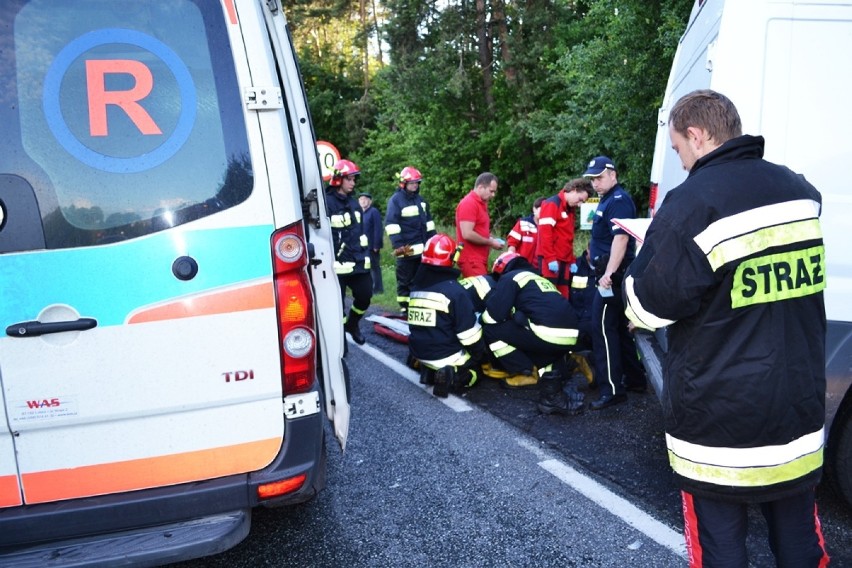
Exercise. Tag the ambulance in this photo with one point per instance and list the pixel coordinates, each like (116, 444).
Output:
(785, 65)
(165, 365)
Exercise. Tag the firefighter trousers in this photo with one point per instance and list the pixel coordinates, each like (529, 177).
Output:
(518, 350)
(715, 532)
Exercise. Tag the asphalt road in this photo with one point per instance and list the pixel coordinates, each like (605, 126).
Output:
(624, 446)
(485, 480)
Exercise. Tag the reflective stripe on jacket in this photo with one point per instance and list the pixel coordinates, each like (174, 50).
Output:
(734, 262)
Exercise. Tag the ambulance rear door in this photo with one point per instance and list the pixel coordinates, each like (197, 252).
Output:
(139, 344)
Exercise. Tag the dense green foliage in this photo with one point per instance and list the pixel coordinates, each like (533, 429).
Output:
(528, 90)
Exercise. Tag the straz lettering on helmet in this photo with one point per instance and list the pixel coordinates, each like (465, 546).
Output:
(779, 277)
(422, 316)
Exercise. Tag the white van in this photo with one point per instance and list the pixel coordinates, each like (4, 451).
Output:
(786, 66)
(166, 365)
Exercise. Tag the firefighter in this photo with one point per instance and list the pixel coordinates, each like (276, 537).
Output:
(529, 325)
(478, 288)
(409, 225)
(445, 334)
(352, 258)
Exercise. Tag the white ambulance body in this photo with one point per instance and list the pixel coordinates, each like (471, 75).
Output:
(165, 365)
(786, 66)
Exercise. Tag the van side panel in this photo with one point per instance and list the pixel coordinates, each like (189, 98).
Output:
(808, 93)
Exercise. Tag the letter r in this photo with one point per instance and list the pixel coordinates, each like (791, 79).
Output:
(99, 97)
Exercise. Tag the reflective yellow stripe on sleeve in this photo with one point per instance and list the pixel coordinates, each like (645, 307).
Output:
(470, 336)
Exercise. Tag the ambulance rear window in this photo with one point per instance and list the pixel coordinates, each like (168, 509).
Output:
(122, 118)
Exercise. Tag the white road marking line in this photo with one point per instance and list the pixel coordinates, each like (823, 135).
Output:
(618, 506)
(591, 489)
(412, 376)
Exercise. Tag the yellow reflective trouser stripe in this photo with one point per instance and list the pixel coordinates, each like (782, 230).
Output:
(470, 336)
(501, 348)
(555, 335)
(430, 300)
(454, 360)
(393, 229)
(746, 476)
(403, 299)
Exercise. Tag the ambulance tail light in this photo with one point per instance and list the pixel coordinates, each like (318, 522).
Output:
(294, 301)
(279, 488)
(652, 199)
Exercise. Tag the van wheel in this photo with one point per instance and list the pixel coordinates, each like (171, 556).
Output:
(839, 465)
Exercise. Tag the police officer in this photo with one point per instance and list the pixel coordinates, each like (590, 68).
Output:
(616, 363)
(528, 324)
(352, 258)
(445, 334)
(409, 225)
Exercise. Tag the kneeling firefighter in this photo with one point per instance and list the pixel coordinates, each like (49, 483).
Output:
(528, 324)
(445, 335)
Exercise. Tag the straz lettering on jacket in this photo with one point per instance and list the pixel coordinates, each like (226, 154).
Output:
(422, 316)
(779, 276)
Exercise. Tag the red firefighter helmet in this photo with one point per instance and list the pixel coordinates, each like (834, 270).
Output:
(409, 174)
(341, 169)
(503, 260)
(440, 251)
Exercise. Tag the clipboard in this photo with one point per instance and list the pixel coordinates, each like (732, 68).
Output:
(636, 228)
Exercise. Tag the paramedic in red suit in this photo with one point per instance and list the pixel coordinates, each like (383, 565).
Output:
(556, 222)
(523, 238)
(473, 227)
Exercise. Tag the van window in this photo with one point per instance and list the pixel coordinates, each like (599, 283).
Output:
(122, 118)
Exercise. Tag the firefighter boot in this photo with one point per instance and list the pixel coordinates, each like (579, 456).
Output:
(444, 379)
(552, 400)
(352, 327)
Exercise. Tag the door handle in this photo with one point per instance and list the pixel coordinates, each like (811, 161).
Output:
(36, 328)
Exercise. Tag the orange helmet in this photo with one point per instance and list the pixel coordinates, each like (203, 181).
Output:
(502, 261)
(409, 174)
(440, 251)
(342, 169)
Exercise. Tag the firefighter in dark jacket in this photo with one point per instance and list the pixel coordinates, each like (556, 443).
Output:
(445, 334)
(734, 264)
(409, 225)
(528, 324)
(352, 258)
(478, 288)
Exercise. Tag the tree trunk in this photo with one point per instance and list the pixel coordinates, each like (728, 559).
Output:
(486, 56)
